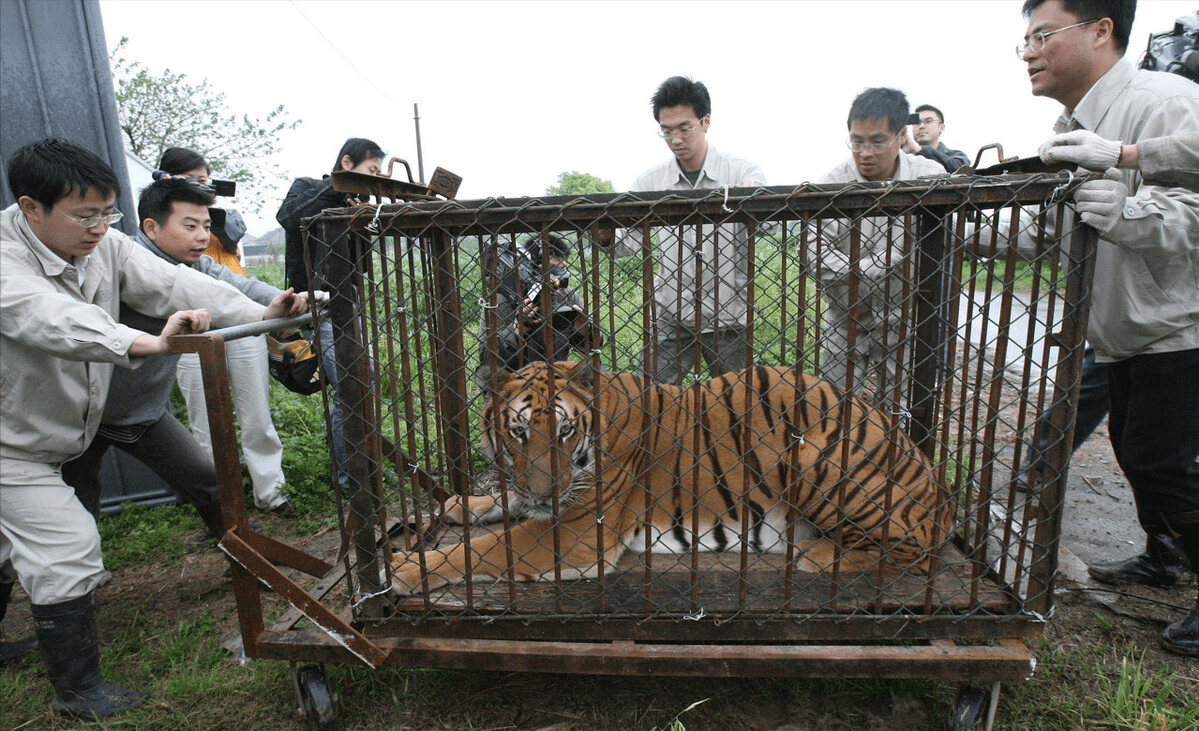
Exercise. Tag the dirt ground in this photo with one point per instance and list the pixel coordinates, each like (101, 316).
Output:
(1099, 524)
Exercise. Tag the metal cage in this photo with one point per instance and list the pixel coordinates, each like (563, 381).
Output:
(948, 315)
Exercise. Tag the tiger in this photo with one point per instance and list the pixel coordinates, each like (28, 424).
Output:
(771, 457)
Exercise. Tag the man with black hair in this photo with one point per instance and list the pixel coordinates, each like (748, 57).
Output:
(246, 359)
(522, 311)
(1144, 322)
(708, 309)
(877, 129)
(138, 418)
(308, 197)
(925, 139)
(63, 276)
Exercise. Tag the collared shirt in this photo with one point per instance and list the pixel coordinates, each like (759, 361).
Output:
(59, 339)
(722, 257)
(1147, 267)
(876, 258)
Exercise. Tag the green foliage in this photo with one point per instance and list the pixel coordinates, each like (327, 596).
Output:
(307, 465)
(1139, 701)
(576, 183)
(272, 274)
(139, 534)
(1084, 688)
(159, 111)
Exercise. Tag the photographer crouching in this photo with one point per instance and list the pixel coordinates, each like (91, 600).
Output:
(537, 315)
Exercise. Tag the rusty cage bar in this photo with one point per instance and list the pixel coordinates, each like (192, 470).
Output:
(954, 307)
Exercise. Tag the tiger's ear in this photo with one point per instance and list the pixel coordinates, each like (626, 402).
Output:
(580, 375)
(496, 385)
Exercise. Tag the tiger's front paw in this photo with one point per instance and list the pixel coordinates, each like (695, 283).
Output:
(480, 509)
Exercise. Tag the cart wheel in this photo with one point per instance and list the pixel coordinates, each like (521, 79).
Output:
(316, 702)
(972, 699)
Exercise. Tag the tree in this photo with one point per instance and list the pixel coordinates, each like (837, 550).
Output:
(167, 110)
(576, 183)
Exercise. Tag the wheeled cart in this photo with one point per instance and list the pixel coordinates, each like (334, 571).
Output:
(966, 297)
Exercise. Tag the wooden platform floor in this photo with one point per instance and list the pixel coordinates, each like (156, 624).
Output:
(717, 585)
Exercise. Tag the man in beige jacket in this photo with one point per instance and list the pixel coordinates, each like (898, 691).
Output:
(63, 277)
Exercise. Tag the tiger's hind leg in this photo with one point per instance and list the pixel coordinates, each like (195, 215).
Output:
(819, 555)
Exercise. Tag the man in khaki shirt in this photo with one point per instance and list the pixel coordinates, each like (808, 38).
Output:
(1144, 319)
(862, 329)
(706, 310)
(63, 276)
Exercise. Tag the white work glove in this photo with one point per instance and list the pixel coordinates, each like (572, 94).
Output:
(1100, 202)
(1083, 148)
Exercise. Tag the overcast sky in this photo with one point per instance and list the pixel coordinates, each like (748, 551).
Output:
(513, 93)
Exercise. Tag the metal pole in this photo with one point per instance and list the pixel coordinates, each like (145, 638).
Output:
(420, 160)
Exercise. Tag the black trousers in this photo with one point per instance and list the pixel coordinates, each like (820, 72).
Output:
(1093, 406)
(1154, 426)
(167, 448)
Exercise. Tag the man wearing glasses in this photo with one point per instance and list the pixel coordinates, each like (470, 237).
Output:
(1144, 321)
(861, 329)
(708, 311)
(925, 139)
(63, 276)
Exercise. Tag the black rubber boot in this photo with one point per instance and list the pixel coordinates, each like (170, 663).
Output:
(1163, 564)
(66, 635)
(1182, 638)
(17, 648)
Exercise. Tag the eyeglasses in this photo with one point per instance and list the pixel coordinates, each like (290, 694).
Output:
(1036, 42)
(668, 134)
(871, 146)
(93, 221)
(928, 122)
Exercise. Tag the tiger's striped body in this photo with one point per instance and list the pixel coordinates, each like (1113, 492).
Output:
(765, 456)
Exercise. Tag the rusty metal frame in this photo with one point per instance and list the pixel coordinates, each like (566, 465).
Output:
(938, 646)
(256, 558)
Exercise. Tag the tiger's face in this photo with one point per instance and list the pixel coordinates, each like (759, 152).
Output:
(537, 428)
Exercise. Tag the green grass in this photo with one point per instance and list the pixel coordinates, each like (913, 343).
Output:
(1140, 700)
(141, 534)
(1101, 685)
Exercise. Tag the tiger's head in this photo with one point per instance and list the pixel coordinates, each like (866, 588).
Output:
(537, 426)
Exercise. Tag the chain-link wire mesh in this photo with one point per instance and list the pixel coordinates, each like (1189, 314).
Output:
(797, 412)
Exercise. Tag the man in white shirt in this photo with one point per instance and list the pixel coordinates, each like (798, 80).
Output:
(707, 313)
(863, 330)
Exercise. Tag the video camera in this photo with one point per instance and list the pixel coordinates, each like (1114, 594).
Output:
(520, 279)
(563, 315)
(227, 225)
(1175, 51)
(216, 188)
